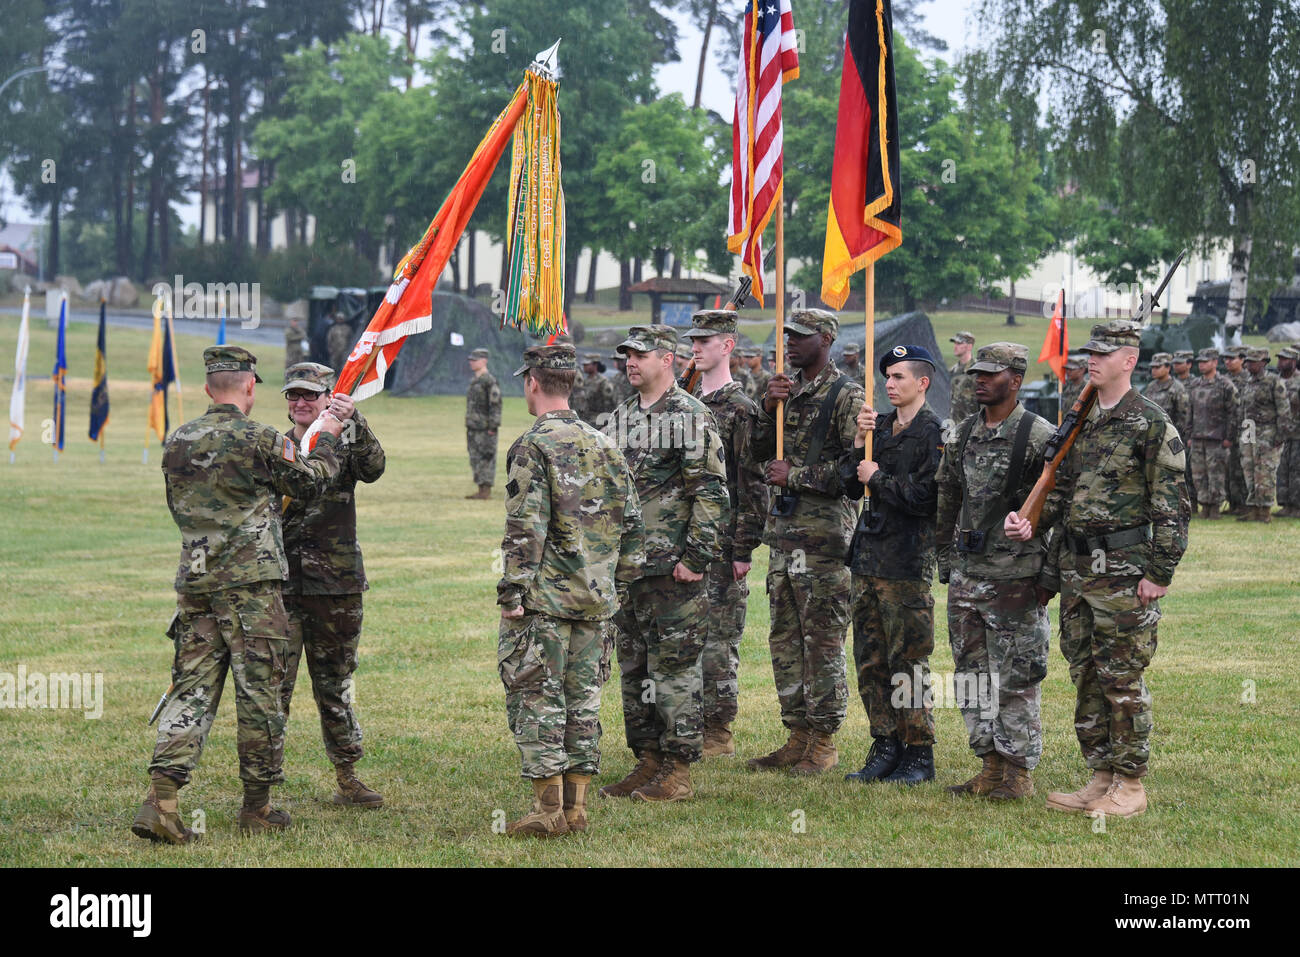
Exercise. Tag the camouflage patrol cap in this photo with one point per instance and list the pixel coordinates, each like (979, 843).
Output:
(561, 357)
(997, 356)
(592, 357)
(648, 339)
(311, 376)
(1076, 362)
(1235, 352)
(1116, 334)
(683, 351)
(851, 349)
(1258, 355)
(1208, 354)
(1184, 355)
(712, 322)
(230, 359)
(1161, 359)
(811, 322)
(751, 353)
(1288, 352)
(963, 336)
(480, 354)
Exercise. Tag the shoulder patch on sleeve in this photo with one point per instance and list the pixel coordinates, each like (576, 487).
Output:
(1173, 453)
(521, 479)
(287, 450)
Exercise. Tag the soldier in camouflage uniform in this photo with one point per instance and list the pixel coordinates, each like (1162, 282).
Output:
(963, 402)
(713, 337)
(675, 455)
(892, 557)
(758, 376)
(997, 615)
(1234, 371)
(482, 419)
(1168, 393)
(1288, 469)
(852, 367)
(1076, 376)
(222, 472)
(682, 360)
(1119, 527)
(739, 371)
(1266, 421)
(1182, 373)
(623, 388)
(573, 539)
(296, 348)
(1211, 422)
(322, 595)
(808, 534)
(339, 340)
(1182, 367)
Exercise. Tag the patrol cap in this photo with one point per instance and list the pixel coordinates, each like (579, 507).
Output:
(648, 339)
(1184, 355)
(1208, 354)
(1288, 352)
(997, 356)
(683, 351)
(230, 359)
(963, 336)
(906, 354)
(851, 349)
(811, 322)
(311, 376)
(1116, 334)
(480, 354)
(751, 353)
(1161, 359)
(561, 357)
(1258, 355)
(1235, 352)
(1076, 362)
(711, 322)
(592, 357)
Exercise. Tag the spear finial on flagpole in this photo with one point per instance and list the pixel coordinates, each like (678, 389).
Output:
(545, 63)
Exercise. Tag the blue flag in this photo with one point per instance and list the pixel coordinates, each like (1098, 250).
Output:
(59, 375)
(221, 329)
(99, 397)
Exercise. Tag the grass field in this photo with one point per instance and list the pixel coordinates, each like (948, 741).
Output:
(88, 552)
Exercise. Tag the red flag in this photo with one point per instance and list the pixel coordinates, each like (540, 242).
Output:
(1056, 344)
(864, 220)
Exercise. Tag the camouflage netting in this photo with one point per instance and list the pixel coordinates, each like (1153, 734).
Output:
(429, 364)
(910, 329)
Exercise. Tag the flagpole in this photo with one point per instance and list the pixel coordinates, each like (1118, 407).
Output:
(780, 316)
(869, 359)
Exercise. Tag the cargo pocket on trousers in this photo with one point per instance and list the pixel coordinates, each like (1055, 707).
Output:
(519, 659)
(606, 650)
(1143, 723)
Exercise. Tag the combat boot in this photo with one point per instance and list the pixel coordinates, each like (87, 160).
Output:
(672, 782)
(484, 492)
(1264, 513)
(546, 819)
(646, 765)
(988, 779)
(786, 756)
(159, 817)
(1211, 511)
(882, 759)
(718, 742)
(1016, 784)
(1246, 515)
(266, 818)
(1126, 797)
(575, 800)
(916, 765)
(352, 791)
(819, 756)
(1078, 801)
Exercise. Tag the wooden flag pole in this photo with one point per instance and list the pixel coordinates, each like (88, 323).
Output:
(869, 358)
(780, 318)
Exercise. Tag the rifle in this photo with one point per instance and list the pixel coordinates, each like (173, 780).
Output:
(690, 377)
(1060, 444)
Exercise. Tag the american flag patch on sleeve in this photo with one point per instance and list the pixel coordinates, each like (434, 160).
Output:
(287, 449)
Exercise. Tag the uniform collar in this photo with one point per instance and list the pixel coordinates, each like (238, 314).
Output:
(829, 371)
(1099, 415)
(723, 391)
(1007, 424)
(557, 414)
(229, 407)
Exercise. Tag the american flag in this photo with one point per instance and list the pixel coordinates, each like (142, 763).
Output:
(770, 58)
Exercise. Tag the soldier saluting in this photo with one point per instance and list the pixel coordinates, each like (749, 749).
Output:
(223, 472)
(1119, 516)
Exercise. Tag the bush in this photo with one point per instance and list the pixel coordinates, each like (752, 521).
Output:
(214, 262)
(288, 274)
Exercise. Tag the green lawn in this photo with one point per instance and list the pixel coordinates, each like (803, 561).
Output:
(88, 553)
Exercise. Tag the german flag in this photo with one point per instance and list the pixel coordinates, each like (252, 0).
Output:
(864, 220)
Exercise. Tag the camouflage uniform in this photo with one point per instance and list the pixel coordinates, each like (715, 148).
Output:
(1212, 418)
(339, 341)
(1118, 513)
(675, 456)
(1070, 389)
(1184, 357)
(1238, 490)
(482, 420)
(1169, 394)
(222, 473)
(1288, 470)
(573, 538)
(322, 595)
(1266, 420)
(296, 347)
(854, 369)
(623, 388)
(593, 396)
(734, 412)
(998, 630)
(808, 585)
(757, 378)
(962, 386)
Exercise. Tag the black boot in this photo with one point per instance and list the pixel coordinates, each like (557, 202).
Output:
(881, 760)
(917, 765)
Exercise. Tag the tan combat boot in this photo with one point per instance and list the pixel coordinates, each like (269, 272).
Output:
(646, 766)
(1016, 784)
(1078, 801)
(265, 818)
(575, 800)
(1264, 513)
(352, 791)
(786, 756)
(484, 492)
(989, 777)
(1246, 515)
(1126, 797)
(546, 819)
(672, 782)
(819, 756)
(1211, 511)
(159, 817)
(718, 742)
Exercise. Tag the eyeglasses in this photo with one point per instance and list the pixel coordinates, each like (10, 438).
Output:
(297, 395)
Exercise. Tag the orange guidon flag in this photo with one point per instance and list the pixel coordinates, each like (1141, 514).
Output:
(1056, 344)
(864, 220)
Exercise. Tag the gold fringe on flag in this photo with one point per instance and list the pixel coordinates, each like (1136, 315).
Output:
(535, 231)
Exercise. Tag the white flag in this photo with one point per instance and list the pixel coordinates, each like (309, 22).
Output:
(17, 401)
